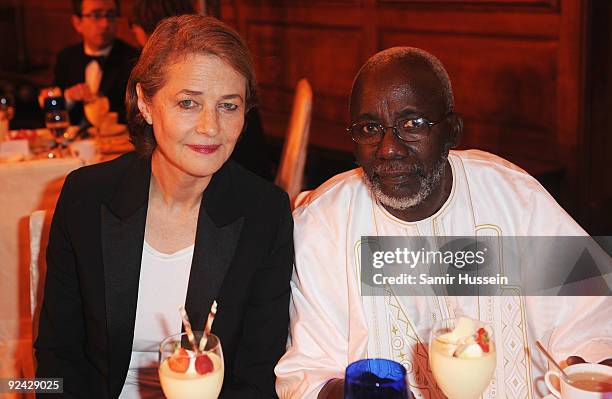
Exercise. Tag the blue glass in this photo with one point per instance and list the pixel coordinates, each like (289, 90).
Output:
(57, 119)
(55, 103)
(374, 379)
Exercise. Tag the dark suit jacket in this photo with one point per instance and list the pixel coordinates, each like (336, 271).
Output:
(70, 70)
(243, 258)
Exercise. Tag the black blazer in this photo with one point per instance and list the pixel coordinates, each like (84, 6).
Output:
(70, 70)
(243, 258)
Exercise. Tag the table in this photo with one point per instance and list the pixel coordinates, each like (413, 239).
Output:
(24, 187)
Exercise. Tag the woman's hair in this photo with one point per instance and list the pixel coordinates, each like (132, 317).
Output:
(176, 38)
(148, 13)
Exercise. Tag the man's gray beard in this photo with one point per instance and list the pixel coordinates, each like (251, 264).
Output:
(428, 184)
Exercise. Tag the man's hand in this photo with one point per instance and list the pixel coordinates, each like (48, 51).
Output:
(334, 389)
(78, 92)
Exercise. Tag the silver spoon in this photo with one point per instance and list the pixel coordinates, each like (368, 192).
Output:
(545, 352)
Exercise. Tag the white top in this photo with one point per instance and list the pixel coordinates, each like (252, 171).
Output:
(93, 71)
(490, 196)
(162, 289)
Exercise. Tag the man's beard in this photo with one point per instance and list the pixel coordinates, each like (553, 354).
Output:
(427, 184)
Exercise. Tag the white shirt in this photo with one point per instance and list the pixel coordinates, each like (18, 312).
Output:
(162, 288)
(332, 325)
(93, 70)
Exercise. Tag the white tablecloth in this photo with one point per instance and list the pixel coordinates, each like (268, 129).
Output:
(24, 188)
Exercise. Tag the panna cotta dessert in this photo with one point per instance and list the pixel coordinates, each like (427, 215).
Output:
(463, 360)
(190, 375)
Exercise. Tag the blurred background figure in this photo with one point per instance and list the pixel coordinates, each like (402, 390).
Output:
(100, 65)
(146, 14)
(251, 150)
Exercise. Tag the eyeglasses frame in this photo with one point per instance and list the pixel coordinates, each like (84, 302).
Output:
(395, 128)
(98, 16)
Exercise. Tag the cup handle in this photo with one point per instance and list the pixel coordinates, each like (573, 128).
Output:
(550, 385)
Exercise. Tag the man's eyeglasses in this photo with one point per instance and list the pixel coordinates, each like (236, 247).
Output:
(100, 15)
(410, 129)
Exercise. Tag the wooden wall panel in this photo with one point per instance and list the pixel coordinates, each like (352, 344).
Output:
(595, 168)
(51, 21)
(48, 29)
(535, 5)
(497, 57)
(276, 46)
(318, 3)
(9, 33)
(476, 23)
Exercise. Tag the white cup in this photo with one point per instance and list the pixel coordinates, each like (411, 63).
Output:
(85, 150)
(569, 391)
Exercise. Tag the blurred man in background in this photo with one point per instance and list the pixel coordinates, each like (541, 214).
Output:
(100, 65)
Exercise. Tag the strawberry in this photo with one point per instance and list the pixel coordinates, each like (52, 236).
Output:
(203, 364)
(482, 339)
(179, 361)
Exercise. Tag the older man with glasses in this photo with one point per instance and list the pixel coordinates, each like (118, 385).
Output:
(411, 185)
(100, 65)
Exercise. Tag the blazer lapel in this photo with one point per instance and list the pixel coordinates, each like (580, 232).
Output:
(110, 70)
(77, 66)
(123, 224)
(219, 226)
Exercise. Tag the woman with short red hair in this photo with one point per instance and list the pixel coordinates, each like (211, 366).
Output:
(174, 223)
